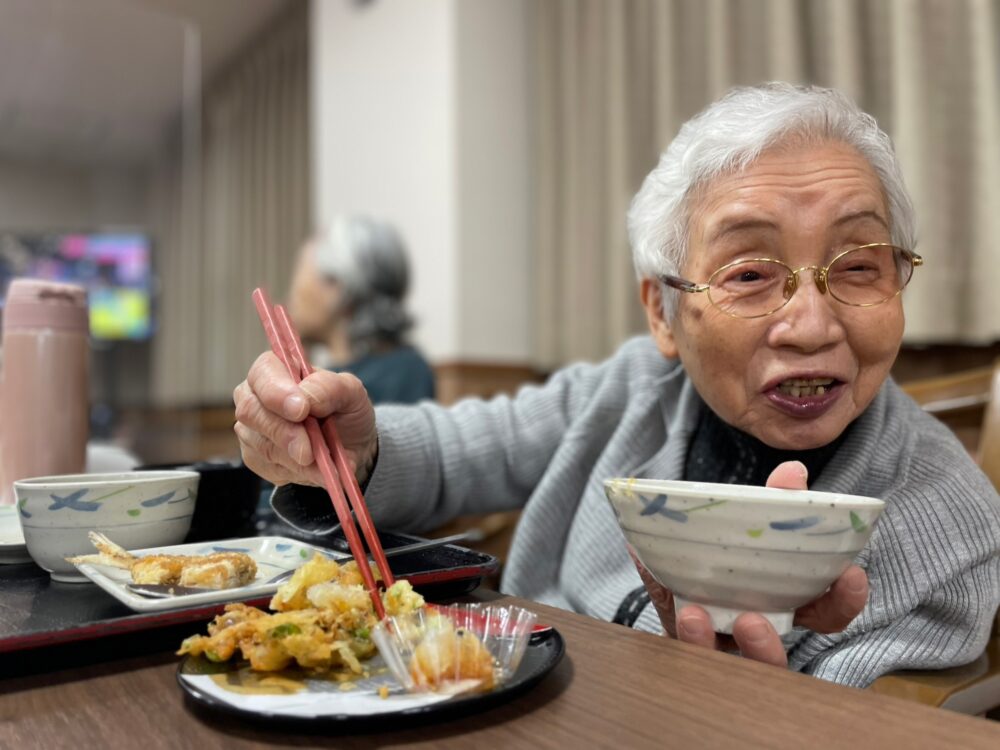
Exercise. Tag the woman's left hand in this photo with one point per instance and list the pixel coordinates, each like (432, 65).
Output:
(753, 635)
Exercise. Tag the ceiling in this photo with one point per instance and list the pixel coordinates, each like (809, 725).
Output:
(98, 81)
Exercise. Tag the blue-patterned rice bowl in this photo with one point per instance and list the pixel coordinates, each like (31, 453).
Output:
(736, 548)
(134, 509)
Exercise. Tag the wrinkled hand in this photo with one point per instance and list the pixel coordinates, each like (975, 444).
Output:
(270, 410)
(753, 635)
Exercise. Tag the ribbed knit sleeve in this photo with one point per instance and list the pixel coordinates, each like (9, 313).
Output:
(477, 456)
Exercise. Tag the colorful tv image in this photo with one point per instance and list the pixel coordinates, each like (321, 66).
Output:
(114, 267)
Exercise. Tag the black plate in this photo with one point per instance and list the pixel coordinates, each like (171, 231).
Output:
(543, 653)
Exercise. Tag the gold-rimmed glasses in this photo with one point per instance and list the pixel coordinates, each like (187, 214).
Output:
(862, 276)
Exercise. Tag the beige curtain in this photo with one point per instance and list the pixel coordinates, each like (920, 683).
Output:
(248, 201)
(616, 79)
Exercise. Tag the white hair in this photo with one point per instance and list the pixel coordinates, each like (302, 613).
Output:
(726, 138)
(368, 258)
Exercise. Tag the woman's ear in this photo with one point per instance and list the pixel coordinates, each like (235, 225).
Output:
(651, 294)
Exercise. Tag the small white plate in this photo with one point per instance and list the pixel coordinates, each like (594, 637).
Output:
(12, 547)
(273, 554)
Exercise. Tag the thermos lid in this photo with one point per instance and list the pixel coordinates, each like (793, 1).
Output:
(33, 303)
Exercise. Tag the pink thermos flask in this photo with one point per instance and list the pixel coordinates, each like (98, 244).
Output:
(44, 382)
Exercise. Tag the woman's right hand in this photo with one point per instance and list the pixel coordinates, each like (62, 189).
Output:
(270, 410)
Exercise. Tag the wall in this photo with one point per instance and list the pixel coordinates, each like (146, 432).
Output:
(53, 196)
(494, 184)
(383, 131)
(421, 117)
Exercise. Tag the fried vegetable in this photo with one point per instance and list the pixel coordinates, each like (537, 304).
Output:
(322, 622)
(292, 595)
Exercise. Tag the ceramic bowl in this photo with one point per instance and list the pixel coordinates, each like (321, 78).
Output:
(135, 509)
(735, 548)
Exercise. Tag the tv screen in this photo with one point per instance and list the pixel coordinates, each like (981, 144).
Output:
(113, 266)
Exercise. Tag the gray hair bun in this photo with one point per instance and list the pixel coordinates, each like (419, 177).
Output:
(368, 258)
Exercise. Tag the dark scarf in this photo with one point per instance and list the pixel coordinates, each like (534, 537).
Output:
(721, 453)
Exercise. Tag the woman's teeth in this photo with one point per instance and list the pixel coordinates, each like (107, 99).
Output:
(799, 387)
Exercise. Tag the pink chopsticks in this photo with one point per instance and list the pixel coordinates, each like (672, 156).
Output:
(285, 343)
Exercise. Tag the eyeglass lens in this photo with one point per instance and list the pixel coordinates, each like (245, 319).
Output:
(863, 276)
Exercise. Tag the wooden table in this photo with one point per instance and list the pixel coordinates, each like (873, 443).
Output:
(615, 688)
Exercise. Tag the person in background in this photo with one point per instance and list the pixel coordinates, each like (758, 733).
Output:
(347, 299)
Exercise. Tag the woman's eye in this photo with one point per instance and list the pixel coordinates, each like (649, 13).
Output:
(750, 273)
(748, 278)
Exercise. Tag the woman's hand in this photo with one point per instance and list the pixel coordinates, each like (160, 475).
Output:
(753, 635)
(270, 409)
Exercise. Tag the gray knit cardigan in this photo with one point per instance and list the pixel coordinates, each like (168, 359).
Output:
(932, 560)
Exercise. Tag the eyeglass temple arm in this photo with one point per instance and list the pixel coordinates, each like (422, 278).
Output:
(676, 282)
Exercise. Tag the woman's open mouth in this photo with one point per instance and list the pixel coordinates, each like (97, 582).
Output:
(805, 397)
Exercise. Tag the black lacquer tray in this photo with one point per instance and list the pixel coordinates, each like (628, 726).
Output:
(36, 611)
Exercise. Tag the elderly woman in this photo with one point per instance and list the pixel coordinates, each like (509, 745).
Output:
(347, 297)
(772, 243)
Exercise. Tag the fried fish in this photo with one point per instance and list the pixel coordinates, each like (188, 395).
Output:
(221, 570)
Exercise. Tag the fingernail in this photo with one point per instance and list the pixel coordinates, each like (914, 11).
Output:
(297, 449)
(803, 471)
(692, 626)
(293, 407)
(758, 634)
(856, 584)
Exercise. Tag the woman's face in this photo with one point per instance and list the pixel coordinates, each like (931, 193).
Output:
(312, 300)
(801, 205)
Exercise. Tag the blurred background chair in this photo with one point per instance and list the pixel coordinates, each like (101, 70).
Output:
(968, 402)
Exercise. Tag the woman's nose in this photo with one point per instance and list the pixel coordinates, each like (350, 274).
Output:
(810, 319)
